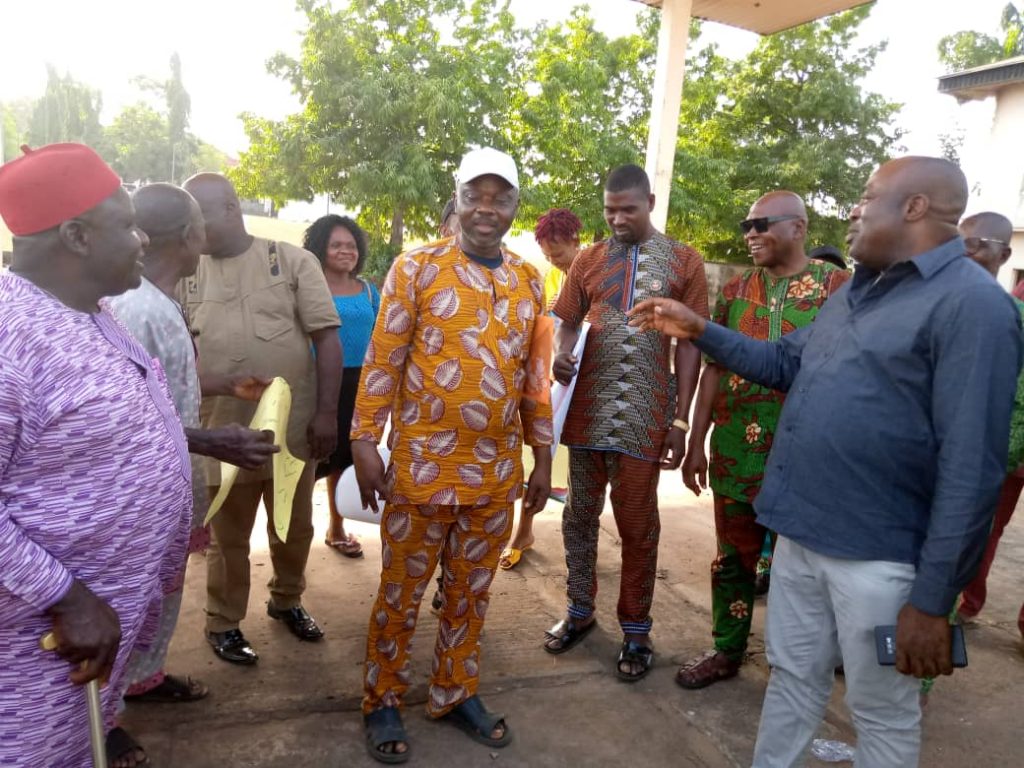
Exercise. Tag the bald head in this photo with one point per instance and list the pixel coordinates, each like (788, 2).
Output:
(163, 210)
(782, 202)
(987, 237)
(989, 224)
(940, 181)
(225, 228)
(206, 187)
(775, 231)
(910, 205)
(172, 220)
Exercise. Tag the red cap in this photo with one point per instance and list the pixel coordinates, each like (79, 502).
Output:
(53, 184)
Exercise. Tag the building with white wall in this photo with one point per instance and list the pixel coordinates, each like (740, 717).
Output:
(1002, 177)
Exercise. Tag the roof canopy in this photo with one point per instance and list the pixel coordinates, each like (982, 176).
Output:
(982, 82)
(765, 16)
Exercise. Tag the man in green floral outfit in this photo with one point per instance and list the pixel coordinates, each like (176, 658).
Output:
(782, 292)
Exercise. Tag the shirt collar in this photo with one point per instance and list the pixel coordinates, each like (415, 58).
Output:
(927, 264)
(931, 262)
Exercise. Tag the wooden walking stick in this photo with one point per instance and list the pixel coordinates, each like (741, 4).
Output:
(97, 733)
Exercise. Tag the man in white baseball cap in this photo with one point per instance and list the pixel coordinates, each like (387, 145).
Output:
(487, 161)
(447, 365)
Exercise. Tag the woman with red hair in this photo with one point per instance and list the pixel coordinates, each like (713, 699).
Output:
(557, 233)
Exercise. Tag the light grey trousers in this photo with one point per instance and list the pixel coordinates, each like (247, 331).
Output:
(822, 611)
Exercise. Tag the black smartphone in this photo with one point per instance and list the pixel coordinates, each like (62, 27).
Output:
(885, 645)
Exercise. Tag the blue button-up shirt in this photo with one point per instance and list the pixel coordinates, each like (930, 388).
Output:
(892, 442)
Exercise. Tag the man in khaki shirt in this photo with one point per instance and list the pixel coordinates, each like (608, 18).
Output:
(261, 307)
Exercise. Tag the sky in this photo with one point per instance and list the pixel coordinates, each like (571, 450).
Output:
(224, 46)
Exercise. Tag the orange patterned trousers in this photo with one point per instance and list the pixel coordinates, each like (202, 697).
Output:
(413, 538)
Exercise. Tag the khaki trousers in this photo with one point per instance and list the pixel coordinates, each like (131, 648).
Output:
(227, 561)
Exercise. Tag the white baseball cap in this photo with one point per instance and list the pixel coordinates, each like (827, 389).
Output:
(487, 161)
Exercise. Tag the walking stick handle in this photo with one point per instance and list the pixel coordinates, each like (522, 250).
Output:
(97, 730)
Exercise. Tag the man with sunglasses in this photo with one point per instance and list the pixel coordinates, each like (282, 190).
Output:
(782, 292)
(987, 240)
(628, 416)
(887, 463)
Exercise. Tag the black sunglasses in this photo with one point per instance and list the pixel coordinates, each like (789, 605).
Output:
(761, 223)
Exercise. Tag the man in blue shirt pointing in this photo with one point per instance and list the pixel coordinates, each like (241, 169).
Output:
(887, 461)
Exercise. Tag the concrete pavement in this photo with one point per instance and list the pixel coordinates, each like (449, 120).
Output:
(300, 704)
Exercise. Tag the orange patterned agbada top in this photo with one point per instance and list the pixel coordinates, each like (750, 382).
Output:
(448, 363)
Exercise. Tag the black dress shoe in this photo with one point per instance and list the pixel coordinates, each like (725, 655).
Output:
(232, 647)
(301, 624)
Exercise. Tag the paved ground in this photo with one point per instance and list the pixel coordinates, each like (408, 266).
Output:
(300, 705)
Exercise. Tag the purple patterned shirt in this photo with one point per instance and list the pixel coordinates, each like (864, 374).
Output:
(95, 484)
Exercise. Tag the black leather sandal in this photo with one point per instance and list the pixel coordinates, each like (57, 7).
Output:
(568, 633)
(634, 653)
(475, 721)
(384, 726)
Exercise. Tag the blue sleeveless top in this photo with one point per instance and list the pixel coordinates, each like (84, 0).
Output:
(358, 314)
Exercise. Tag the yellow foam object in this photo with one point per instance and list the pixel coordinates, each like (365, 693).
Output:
(271, 414)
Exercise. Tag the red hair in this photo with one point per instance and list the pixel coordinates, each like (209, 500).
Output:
(557, 224)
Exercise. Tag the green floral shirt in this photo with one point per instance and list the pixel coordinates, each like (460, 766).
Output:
(745, 414)
(1017, 417)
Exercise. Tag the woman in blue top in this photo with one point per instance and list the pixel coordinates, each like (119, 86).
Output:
(340, 245)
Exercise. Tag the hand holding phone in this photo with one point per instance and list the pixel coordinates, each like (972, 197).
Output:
(885, 645)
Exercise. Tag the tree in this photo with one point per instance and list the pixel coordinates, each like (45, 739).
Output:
(15, 117)
(391, 104)
(969, 49)
(584, 112)
(137, 146)
(209, 159)
(791, 115)
(67, 111)
(178, 105)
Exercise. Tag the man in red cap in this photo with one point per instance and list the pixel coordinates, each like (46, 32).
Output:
(95, 482)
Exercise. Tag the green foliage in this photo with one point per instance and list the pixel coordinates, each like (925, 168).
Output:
(67, 111)
(583, 112)
(395, 92)
(391, 105)
(208, 158)
(968, 49)
(137, 146)
(14, 121)
(791, 115)
(177, 104)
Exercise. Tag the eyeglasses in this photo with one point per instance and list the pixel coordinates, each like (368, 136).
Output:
(975, 244)
(761, 223)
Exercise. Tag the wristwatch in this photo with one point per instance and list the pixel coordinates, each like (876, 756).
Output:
(680, 424)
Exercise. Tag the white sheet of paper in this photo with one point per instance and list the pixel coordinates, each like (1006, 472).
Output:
(561, 395)
(346, 495)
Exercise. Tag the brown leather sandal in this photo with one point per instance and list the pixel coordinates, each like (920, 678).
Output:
(706, 670)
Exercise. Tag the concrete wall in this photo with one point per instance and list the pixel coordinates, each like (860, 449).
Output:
(1013, 272)
(718, 275)
(1002, 188)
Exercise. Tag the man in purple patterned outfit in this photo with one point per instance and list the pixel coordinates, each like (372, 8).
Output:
(95, 482)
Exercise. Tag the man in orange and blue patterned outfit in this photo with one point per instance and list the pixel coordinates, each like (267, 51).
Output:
(448, 363)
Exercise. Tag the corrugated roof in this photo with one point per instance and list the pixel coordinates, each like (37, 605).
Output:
(764, 16)
(982, 82)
